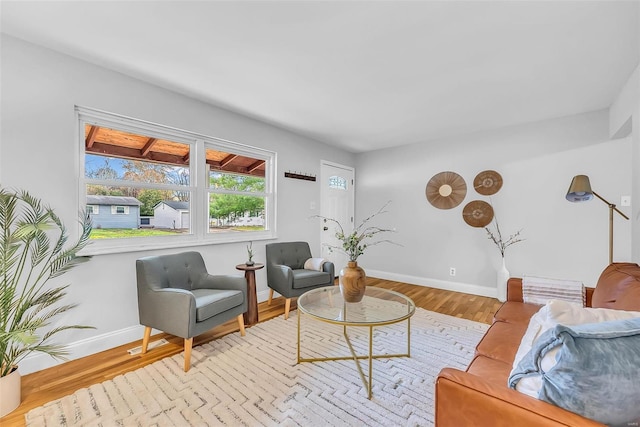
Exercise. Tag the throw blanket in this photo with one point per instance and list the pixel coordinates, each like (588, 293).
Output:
(595, 373)
(539, 290)
(314, 264)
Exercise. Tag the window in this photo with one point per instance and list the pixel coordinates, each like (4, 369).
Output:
(119, 210)
(165, 187)
(337, 182)
(237, 196)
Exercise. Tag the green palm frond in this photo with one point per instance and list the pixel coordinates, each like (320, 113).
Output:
(33, 249)
(41, 246)
(54, 331)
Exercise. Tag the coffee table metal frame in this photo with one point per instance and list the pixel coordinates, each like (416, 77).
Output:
(334, 290)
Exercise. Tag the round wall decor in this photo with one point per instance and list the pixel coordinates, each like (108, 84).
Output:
(487, 182)
(477, 213)
(446, 190)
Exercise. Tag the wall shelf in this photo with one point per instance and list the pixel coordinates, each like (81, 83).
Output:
(302, 176)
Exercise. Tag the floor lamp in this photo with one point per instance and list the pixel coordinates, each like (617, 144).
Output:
(580, 191)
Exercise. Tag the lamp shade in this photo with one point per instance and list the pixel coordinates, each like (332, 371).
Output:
(580, 189)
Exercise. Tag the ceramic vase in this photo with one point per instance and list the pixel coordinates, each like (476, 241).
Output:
(353, 282)
(501, 282)
(10, 394)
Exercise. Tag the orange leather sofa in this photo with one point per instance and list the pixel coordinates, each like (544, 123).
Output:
(480, 396)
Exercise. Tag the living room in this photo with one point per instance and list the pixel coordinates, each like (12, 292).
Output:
(537, 155)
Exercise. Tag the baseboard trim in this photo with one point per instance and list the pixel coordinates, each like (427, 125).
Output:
(466, 288)
(39, 361)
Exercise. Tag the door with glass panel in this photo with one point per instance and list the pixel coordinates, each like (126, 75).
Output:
(337, 202)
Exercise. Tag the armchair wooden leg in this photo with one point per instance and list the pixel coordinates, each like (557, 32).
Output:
(287, 306)
(188, 343)
(241, 324)
(145, 339)
(270, 296)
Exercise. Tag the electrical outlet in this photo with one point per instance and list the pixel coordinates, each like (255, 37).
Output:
(452, 271)
(625, 201)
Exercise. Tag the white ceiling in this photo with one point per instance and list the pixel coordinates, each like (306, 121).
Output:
(362, 75)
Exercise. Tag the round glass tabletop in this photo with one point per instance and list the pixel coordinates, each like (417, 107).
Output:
(378, 306)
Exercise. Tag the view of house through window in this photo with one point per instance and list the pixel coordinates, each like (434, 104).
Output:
(141, 186)
(135, 185)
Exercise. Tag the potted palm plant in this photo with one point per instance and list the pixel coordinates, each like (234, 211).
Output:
(33, 250)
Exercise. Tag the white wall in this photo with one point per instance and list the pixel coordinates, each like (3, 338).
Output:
(39, 149)
(635, 197)
(537, 161)
(624, 120)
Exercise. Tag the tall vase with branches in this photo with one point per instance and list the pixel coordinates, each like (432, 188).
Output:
(352, 277)
(502, 244)
(33, 249)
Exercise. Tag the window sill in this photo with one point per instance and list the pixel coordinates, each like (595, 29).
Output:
(107, 247)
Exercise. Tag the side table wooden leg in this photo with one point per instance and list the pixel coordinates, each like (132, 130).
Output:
(251, 316)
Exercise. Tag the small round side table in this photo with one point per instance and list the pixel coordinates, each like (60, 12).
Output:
(251, 316)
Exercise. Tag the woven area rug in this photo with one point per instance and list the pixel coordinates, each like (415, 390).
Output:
(254, 380)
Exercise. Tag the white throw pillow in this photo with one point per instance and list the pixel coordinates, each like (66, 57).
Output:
(558, 312)
(314, 264)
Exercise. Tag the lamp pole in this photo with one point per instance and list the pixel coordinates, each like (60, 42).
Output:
(612, 208)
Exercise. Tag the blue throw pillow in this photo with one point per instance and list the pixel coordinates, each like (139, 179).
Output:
(597, 374)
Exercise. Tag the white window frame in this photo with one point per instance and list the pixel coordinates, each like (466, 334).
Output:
(114, 210)
(93, 209)
(198, 187)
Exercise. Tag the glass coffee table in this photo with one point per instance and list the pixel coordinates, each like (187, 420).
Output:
(378, 307)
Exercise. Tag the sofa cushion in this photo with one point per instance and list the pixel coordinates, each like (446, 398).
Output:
(515, 312)
(618, 287)
(595, 373)
(491, 370)
(501, 341)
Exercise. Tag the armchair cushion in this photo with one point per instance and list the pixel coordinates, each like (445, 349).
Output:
(210, 302)
(308, 278)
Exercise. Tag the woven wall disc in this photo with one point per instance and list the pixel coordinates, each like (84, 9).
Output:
(487, 182)
(477, 213)
(446, 190)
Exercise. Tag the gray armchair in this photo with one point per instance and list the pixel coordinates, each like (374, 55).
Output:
(286, 274)
(177, 295)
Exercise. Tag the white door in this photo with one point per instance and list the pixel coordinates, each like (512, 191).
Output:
(337, 202)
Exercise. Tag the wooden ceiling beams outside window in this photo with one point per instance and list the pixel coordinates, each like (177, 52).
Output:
(147, 147)
(115, 143)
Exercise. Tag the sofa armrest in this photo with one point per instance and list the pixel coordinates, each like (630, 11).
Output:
(464, 399)
(514, 291)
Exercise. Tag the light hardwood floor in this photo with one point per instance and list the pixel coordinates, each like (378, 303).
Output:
(50, 384)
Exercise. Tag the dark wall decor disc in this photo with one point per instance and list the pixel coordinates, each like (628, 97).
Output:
(487, 182)
(446, 190)
(477, 213)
